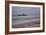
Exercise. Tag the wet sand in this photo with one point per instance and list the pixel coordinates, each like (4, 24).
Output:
(26, 22)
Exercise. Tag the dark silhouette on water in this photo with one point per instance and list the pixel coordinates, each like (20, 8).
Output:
(22, 15)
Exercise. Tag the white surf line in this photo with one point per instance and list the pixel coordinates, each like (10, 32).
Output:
(26, 21)
(25, 16)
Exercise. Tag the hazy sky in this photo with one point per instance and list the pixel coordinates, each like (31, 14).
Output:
(25, 10)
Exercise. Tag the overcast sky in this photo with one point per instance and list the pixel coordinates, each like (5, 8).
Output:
(25, 10)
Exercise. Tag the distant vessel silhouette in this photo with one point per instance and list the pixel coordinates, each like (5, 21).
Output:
(22, 15)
